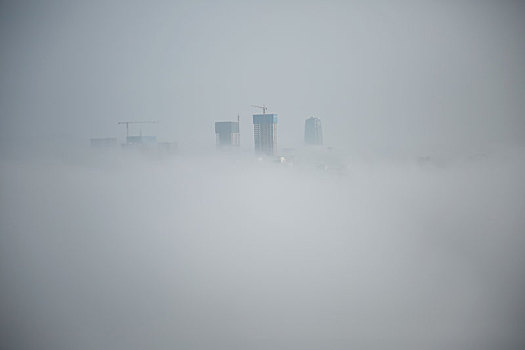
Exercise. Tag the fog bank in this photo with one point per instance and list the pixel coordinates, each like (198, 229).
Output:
(236, 253)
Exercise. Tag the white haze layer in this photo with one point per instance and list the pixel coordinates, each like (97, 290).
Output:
(228, 252)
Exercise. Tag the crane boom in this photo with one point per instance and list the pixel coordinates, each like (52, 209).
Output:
(263, 107)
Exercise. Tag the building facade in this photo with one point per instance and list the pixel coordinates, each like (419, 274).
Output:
(313, 131)
(265, 132)
(227, 134)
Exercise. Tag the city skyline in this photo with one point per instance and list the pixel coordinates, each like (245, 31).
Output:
(378, 84)
(227, 133)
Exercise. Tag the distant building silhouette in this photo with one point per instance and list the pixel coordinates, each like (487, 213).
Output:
(265, 132)
(227, 134)
(313, 132)
(141, 140)
(105, 142)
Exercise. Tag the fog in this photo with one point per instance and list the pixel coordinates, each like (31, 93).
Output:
(231, 252)
(405, 231)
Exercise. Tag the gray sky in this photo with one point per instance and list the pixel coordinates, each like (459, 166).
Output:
(414, 77)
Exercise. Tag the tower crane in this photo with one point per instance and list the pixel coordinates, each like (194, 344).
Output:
(263, 107)
(141, 122)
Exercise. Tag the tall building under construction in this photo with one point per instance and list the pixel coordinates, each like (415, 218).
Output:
(227, 134)
(313, 132)
(265, 132)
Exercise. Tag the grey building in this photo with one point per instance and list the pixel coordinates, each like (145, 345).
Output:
(104, 142)
(313, 132)
(265, 132)
(227, 134)
(141, 140)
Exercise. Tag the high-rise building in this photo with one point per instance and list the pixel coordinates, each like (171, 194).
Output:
(227, 133)
(313, 132)
(265, 132)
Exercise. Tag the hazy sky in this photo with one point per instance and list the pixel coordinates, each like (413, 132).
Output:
(399, 76)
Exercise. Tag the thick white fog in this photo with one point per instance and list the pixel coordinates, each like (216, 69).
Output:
(231, 252)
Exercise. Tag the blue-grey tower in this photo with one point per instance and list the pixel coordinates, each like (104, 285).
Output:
(313, 132)
(227, 133)
(265, 132)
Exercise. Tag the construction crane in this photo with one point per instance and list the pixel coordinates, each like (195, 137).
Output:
(263, 107)
(142, 122)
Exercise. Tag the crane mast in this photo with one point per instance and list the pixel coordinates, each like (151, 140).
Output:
(139, 122)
